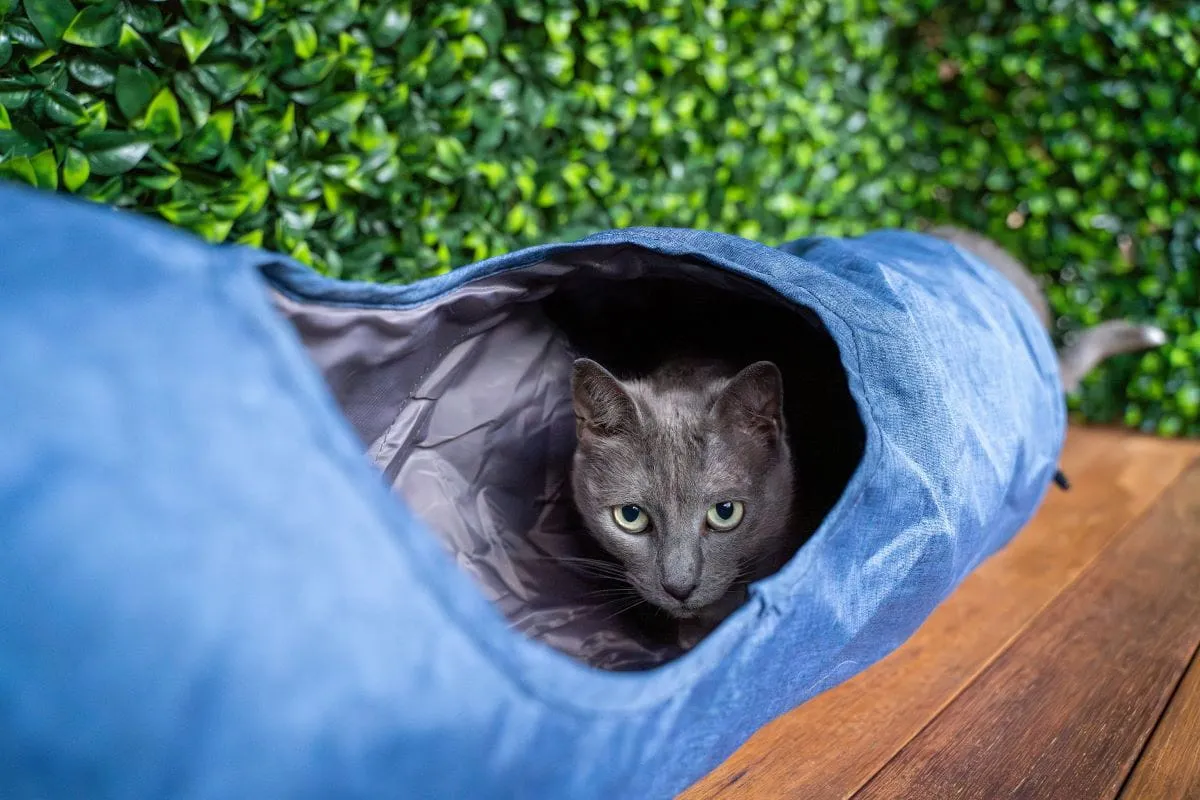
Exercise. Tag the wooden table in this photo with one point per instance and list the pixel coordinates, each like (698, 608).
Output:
(1059, 669)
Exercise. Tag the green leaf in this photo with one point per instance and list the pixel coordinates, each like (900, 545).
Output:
(223, 81)
(388, 25)
(91, 72)
(162, 119)
(249, 10)
(38, 59)
(251, 239)
(22, 139)
(93, 27)
(260, 193)
(108, 191)
(450, 152)
(558, 26)
(19, 168)
(575, 174)
(487, 20)
(115, 152)
(310, 72)
(45, 170)
(195, 41)
(6, 48)
(14, 95)
(340, 113)
(474, 47)
(1188, 400)
(337, 15)
(231, 208)
(65, 109)
(332, 197)
(687, 48)
(5, 122)
(192, 97)
(142, 17)
(51, 18)
(304, 38)
(181, 212)
(131, 44)
(222, 122)
(25, 35)
(134, 90)
(212, 139)
(97, 117)
(214, 231)
(159, 183)
(75, 170)
(302, 253)
(517, 218)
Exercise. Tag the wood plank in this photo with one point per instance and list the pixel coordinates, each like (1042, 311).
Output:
(1170, 766)
(1065, 710)
(832, 745)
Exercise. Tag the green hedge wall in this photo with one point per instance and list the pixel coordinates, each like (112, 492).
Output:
(393, 140)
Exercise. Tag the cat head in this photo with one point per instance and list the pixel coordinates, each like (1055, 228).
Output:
(686, 481)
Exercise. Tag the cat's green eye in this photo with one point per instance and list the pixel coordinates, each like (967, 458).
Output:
(631, 518)
(725, 516)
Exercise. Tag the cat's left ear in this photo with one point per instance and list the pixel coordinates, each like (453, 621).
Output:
(753, 401)
(602, 406)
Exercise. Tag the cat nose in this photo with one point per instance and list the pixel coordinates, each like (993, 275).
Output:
(679, 589)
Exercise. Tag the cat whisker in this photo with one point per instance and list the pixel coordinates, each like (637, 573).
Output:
(519, 624)
(616, 586)
(603, 581)
(611, 600)
(597, 566)
(746, 572)
(578, 559)
(619, 592)
(624, 609)
(594, 568)
(603, 576)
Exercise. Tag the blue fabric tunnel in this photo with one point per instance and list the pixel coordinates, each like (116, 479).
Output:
(268, 534)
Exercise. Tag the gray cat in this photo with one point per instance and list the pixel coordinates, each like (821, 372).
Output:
(685, 476)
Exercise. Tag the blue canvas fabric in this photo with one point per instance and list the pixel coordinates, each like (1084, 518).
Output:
(205, 590)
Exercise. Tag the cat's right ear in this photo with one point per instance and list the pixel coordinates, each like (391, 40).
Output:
(753, 402)
(602, 406)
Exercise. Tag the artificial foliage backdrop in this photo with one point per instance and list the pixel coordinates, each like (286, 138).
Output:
(394, 140)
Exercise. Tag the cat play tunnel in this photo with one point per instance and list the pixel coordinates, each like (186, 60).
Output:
(207, 589)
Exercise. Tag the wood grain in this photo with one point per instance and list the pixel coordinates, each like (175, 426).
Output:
(1064, 711)
(1169, 769)
(832, 745)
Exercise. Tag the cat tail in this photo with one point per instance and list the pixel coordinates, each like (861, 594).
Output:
(1094, 345)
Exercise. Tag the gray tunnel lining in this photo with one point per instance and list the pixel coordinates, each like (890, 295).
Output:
(463, 403)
